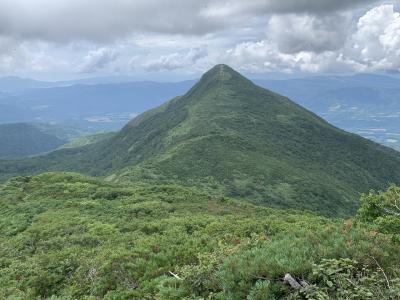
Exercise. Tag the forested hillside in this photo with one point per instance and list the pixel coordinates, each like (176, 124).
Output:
(24, 139)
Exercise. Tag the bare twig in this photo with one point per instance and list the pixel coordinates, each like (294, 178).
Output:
(173, 274)
(390, 212)
(265, 278)
(260, 277)
(395, 201)
(383, 272)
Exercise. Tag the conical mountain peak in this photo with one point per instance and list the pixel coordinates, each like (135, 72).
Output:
(222, 73)
(220, 70)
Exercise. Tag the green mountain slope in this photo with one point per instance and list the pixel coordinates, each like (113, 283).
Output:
(24, 139)
(68, 236)
(89, 139)
(233, 137)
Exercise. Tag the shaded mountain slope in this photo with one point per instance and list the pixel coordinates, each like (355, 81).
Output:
(231, 136)
(23, 139)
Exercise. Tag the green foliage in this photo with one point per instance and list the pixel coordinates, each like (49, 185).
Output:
(347, 279)
(381, 210)
(261, 291)
(68, 236)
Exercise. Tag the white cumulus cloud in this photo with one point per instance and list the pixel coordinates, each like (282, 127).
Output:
(376, 43)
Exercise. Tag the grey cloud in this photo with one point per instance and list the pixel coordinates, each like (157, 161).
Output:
(311, 6)
(97, 60)
(100, 20)
(7, 44)
(295, 33)
(175, 60)
(372, 44)
(104, 20)
(244, 9)
(284, 35)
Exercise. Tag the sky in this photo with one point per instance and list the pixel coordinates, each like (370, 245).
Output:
(180, 39)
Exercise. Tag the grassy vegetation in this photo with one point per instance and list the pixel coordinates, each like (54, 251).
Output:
(68, 236)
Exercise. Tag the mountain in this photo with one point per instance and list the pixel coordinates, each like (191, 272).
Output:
(23, 139)
(12, 84)
(232, 137)
(17, 84)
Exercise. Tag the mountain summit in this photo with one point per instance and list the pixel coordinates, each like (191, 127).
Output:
(230, 136)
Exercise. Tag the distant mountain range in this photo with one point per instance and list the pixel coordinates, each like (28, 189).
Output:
(229, 136)
(14, 84)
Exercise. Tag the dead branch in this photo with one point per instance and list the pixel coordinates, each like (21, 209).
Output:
(383, 272)
(292, 282)
(173, 274)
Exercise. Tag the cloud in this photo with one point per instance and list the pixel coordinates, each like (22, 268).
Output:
(96, 60)
(104, 20)
(16, 56)
(175, 60)
(267, 7)
(313, 44)
(376, 43)
(188, 36)
(264, 56)
(9, 51)
(100, 20)
(295, 33)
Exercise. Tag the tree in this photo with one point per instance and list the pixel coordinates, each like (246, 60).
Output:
(382, 210)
